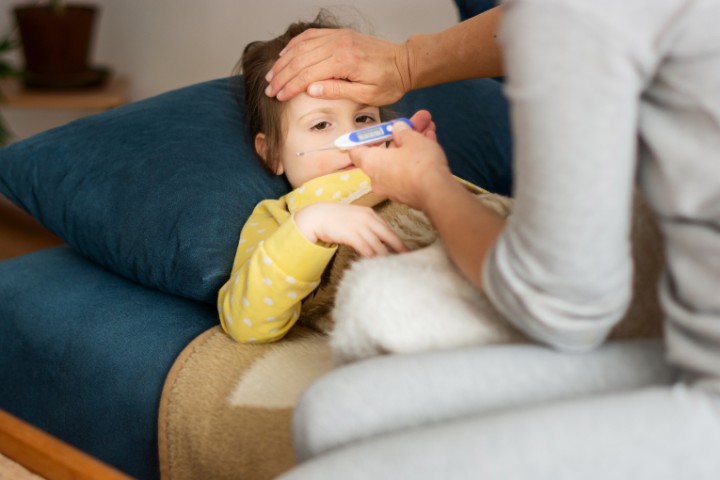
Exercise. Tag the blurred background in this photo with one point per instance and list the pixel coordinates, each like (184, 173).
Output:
(157, 45)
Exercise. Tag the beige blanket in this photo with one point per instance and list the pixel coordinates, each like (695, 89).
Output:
(226, 408)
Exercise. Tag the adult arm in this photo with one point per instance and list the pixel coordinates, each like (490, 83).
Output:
(561, 271)
(560, 268)
(330, 63)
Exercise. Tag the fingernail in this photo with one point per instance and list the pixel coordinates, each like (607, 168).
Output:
(282, 52)
(400, 126)
(269, 76)
(268, 91)
(315, 90)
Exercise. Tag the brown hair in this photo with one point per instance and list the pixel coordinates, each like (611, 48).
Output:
(262, 113)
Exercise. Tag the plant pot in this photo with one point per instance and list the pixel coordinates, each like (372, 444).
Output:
(56, 45)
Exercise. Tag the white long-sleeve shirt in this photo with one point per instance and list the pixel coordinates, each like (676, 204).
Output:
(605, 95)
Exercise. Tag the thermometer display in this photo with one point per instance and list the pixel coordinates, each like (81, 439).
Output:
(364, 136)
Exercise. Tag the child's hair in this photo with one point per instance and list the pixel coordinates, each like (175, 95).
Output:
(262, 113)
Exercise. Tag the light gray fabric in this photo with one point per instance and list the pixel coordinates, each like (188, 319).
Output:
(586, 80)
(385, 394)
(603, 94)
(659, 433)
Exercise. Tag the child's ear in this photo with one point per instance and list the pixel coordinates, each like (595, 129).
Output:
(261, 149)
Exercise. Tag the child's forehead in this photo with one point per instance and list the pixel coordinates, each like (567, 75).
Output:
(303, 104)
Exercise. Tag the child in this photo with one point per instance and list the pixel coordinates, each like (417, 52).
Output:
(287, 243)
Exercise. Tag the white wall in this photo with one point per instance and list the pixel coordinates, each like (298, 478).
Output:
(158, 45)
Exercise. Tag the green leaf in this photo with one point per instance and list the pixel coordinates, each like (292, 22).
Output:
(7, 70)
(57, 6)
(8, 44)
(5, 135)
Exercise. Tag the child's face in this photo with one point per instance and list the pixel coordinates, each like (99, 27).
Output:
(312, 122)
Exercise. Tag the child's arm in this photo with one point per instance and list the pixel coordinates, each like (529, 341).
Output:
(275, 268)
(280, 260)
(355, 226)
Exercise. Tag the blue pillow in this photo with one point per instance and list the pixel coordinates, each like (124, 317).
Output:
(470, 8)
(473, 128)
(157, 191)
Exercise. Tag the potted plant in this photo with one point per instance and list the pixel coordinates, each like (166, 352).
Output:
(7, 44)
(56, 40)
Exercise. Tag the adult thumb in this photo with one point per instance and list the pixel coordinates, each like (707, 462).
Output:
(400, 131)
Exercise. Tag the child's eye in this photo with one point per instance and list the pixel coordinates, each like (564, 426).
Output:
(320, 126)
(365, 119)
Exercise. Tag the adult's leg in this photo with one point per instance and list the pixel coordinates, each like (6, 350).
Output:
(668, 432)
(392, 393)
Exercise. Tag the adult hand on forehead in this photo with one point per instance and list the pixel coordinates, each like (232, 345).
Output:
(341, 63)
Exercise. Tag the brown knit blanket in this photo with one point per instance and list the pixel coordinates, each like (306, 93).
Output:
(226, 408)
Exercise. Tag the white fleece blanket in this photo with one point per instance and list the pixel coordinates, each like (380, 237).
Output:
(419, 301)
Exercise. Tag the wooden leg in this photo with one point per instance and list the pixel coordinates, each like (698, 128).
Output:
(46, 455)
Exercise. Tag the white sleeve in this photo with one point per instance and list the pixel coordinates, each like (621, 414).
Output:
(561, 271)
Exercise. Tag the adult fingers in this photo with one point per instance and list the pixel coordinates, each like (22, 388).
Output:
(431, 133)
(335, 89)
(401, 132)
(302, 72)
(308, 34)
(367, 160)
(421, 120)
(290, 74)
(299, 46)
(358, 156)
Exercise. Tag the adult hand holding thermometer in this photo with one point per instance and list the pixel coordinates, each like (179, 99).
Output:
(364, 136)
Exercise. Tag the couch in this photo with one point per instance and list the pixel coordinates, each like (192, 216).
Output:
(111, 341)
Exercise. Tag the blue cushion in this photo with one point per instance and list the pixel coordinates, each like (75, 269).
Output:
(473, 128)
(84, 354)
(470, 8)
(158, 190)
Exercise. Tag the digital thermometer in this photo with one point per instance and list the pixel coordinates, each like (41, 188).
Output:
(364, 136)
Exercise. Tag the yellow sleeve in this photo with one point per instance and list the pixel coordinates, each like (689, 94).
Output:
(275, 268)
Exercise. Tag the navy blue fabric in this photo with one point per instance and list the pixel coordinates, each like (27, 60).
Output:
(473, 127)
(470, 8)
(84, 354)
(157, 190)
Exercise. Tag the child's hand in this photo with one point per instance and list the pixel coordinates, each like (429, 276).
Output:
(355, 226)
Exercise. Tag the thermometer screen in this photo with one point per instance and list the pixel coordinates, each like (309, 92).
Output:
(372, 133)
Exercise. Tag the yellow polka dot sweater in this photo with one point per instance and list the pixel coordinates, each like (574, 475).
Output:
(275, 266)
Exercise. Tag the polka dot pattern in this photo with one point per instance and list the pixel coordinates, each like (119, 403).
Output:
(262, 301)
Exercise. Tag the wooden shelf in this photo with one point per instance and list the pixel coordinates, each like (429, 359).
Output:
(47, 456)
(111, 95)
